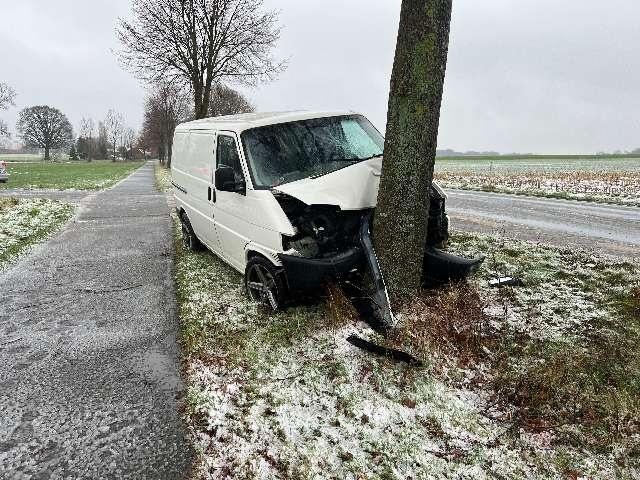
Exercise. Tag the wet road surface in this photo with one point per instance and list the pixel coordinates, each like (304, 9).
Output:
(89, 371)
(609, 229)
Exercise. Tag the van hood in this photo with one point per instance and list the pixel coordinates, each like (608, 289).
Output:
(351, 188)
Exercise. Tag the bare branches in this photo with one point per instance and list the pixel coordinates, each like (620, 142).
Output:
(114, 124)
(44, 127)
(227, 101)
(201, 43)
(7, 96)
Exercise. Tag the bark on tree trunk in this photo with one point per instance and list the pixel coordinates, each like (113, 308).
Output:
(47, 154)
(400, 223)
(169, 152)
(202, 98)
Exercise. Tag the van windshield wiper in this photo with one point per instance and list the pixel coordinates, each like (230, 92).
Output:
(357, 159)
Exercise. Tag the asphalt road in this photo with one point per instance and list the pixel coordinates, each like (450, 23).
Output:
(603, 228)
(89, 365)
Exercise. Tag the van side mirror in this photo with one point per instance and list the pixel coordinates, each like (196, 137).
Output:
(226, 181)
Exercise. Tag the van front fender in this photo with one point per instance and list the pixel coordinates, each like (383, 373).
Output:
(252, 249)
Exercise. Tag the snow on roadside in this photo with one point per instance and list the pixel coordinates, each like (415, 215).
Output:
(286, 396)
(25, 222)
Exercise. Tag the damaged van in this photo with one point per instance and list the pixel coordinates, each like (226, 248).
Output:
(282, 197)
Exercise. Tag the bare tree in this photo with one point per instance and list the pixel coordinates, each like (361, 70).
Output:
(128, 141)
(114, 123)
(201, 43)
(165, 107)
(227, 101)
(87, 128)
(44, 127)
(7, 96)
(102, 141)
(401, 218)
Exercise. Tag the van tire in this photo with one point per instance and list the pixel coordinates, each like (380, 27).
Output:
(258, 272)
(189, 238)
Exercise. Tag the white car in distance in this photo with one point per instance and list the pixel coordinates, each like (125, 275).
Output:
(4, 173)
(281, 196)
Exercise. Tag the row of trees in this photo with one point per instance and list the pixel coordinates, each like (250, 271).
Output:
(166, 105)
(169, 104)
(108, 138)
(47, 128)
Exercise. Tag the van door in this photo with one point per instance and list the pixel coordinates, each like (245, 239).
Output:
(230, 208)
(201, 160)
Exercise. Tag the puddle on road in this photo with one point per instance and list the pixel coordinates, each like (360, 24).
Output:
(160, 368)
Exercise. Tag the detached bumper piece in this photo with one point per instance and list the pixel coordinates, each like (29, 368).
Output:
(307, 274)
(442, 267)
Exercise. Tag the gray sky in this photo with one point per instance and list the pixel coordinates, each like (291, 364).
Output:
(528, 76)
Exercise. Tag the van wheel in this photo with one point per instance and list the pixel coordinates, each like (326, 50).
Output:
(263, 283)
(189, 239)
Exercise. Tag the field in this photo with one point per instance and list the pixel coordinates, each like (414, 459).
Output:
(95, 175)
(610, 179)
(26, 222)
(20, 157)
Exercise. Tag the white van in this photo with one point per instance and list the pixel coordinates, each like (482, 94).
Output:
(281, 196)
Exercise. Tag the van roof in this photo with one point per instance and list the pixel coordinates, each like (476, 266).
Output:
(245, 121)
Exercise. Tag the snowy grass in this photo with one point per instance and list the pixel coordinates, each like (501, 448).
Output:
(163, 178)
(94, 175)
(563, 348)
(601, 179)
(26, 222)
(285, 396)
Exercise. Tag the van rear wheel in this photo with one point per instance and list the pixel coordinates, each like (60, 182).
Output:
(263, 283)
(189, 239)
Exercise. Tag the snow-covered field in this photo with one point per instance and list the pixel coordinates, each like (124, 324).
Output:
(608, 180)
(285, 396)
(26, 222)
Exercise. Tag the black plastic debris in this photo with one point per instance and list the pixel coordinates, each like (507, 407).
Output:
(442, 267)
(391, 353)
(505, 282)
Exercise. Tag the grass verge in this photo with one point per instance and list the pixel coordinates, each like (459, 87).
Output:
(24, 223)
(285, 396)
(94, 175)
(163, 178)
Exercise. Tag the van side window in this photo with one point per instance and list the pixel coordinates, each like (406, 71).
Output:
(227, 155)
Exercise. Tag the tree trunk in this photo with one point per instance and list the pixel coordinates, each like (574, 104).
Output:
(400, 223)
(169, 151)
(200, 104)
(47, 154)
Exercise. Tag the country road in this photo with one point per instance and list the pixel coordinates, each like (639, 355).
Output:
(609, 229)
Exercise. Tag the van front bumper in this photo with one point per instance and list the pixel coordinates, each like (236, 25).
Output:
(307, 274)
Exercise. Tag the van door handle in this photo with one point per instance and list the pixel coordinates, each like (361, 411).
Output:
(211, 194)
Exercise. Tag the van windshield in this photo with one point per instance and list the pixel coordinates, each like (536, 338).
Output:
(286, 152)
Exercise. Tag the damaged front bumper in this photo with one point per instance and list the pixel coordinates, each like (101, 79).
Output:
(308, 274)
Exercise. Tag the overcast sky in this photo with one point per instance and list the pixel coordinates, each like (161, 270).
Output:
(523, 76)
